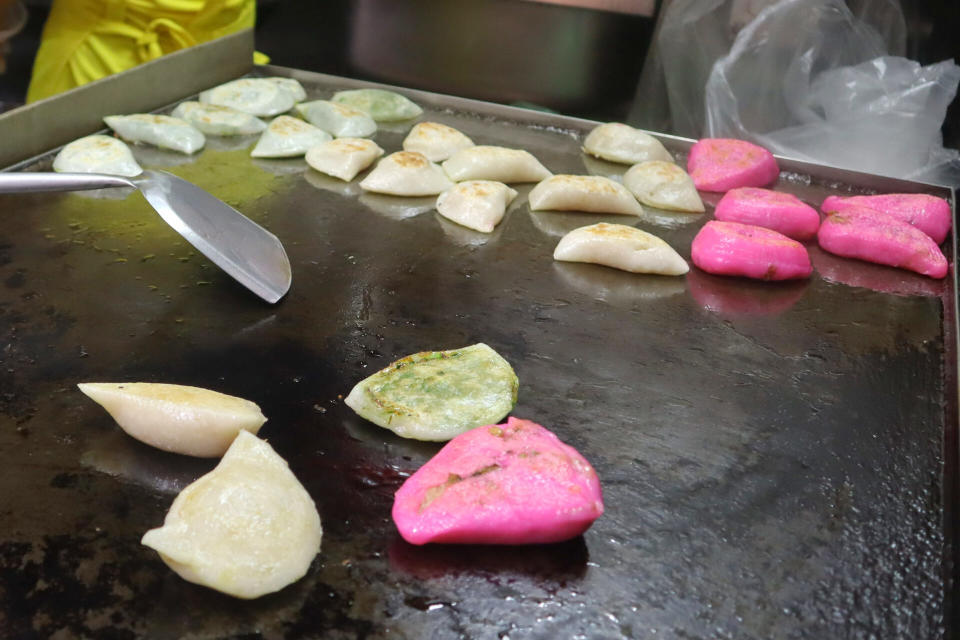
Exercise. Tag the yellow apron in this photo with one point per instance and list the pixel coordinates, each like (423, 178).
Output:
(84, 40)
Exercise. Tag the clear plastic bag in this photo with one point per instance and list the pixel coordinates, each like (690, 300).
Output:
(809, 79)
(694, 34)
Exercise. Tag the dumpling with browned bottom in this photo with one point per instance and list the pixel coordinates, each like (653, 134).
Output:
(620, 247)
(477, 204)
(97, 154)
(663, 185)
(177, 418)
(256, 96)
(593, 194)
(343, 158)
(217, 120)
(502, 164)
(339, 120)
(436, 141)
(406, 173)
(436, 395)
(288, 137)
(618, 142)
(247, 528)
(165, 132)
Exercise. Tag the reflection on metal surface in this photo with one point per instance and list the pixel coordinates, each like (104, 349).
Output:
(117, 454)
(670, 219)
(599, 167)
(231, 143)
(121, 193)
(564, 562)
(397, 207)
(856, 273)
(334, 185)
(618, 287)
(560, 223)
(281, 166)
(155, 157)
(466, 237)
(730, 296)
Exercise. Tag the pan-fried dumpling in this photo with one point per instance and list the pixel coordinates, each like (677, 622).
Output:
(436, 141)
(246, 529)
(620, 247)
(291, 86)
(339, 120)
(256, 96)
(500, 164)
(343, 158)
(383, 106)
(663, 185)
(97, 154)
(478, 204)
(622, 143)
(288, 137)
(436, 395)
(188, 420)
(406, 173)
(594, 194)
(163, 131)
(215, 120)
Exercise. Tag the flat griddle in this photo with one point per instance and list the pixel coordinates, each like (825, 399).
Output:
(777, 460)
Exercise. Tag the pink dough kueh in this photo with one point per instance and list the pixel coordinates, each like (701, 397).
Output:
(514, 483)
(735, 249)
(721, 164)
(868, 234)
(928, 213)
(783, 212)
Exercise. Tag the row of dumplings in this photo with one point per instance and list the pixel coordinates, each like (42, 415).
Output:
(236, 109)
(472, 180)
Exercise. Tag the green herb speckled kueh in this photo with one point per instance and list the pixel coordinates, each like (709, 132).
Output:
(437, 395)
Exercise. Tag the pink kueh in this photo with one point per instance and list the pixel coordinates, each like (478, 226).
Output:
(721, 164)
(514, 483)
(928, 213)
(782, 212)
(867, 234)
(735, 249)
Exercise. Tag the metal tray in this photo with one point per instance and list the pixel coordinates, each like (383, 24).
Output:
(778, 460)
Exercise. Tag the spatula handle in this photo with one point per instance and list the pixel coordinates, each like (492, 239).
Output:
(19, 182)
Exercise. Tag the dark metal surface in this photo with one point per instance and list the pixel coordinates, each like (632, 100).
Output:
(777, 459)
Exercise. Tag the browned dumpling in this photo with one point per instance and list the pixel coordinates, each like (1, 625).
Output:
(343, 158)
(663, 185)
(495, 163)
(622, 143)
(477, 204)
(594, 194)
(436, 141)
(406, 173)
(620, 247)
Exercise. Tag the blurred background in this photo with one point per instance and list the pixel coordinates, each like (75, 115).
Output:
(588, 58)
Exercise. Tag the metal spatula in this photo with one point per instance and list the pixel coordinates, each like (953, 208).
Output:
(245, 250)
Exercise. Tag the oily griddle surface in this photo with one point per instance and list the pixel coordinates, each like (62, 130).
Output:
(770, 454)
